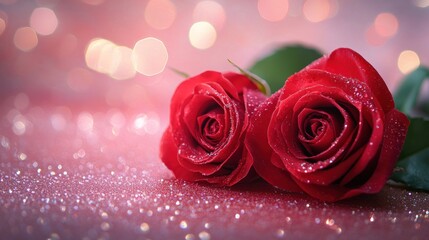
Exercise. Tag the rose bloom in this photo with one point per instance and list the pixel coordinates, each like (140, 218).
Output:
(331, 131)
(209, 116)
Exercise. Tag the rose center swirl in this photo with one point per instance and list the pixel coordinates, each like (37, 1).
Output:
(211, 128)
(319, 128)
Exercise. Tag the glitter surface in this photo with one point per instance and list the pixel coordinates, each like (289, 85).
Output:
(93, 178)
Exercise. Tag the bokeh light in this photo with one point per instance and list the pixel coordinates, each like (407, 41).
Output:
(146, 124)
(273, 10)
(160, 14)
(20, 124)
(421, 3)
(408, 61)
(85, 122)
(316, 10)
(149, 56)
(60, 118)
(106, 57)
(210, 11)
(386, 24)
(58, 122)
(100, 55)
(124, 68)
(202, 35)
(43, 20)
(2, 25)
(93, 2)
(373, 38)
(25, 39)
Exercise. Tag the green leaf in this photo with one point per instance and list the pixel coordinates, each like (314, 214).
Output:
(282, 63)
(408, 92)
(414, 171)
(417, 138)
(260, 83)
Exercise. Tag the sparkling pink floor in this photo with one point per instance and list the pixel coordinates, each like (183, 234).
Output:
(96, 174)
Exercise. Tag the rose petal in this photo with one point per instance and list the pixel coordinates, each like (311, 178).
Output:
(396, 125)
(395, 132)
(371, 151)
(257, 145)
(168, 155)
(240, 82)
(357, 68)
(326, 176)
(241, 164)
(286, 143)
(194, 157)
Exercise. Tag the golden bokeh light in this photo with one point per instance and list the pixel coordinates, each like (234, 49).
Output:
(124, 68)
(160, 14)
(316, 10)
(408, 61)
(106, 57)
(149, 56)
(210, 11)
(43, 20)
(202, 35)
(273, 10)
(25, 39)
(386, 24)
(2, 25)
(99, 54)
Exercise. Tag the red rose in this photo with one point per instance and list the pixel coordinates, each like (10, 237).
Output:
(332, 131)
(209, 116)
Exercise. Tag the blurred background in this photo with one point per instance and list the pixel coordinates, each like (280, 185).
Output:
(108, 54)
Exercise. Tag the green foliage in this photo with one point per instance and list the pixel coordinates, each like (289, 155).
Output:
(413, 171)
(413, 166)
(282, 63)
(408, 92)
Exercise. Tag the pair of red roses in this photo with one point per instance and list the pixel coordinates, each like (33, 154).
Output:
(331, 131)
